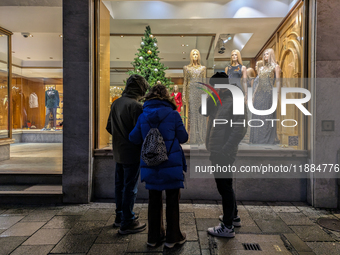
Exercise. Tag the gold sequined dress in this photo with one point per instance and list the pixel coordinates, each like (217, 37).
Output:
(196, 122)
(262, 100)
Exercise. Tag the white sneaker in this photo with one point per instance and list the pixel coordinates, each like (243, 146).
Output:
(222, 231)
(236, 221)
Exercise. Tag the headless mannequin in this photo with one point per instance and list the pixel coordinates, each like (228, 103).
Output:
(51, 103)
(178, 98)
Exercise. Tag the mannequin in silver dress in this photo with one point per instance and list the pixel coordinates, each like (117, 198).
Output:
(194, 73)
(237, 72)
(268, 74)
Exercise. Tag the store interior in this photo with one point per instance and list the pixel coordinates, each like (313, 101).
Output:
(36, 57)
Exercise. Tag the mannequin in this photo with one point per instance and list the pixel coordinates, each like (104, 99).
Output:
(178, 98)
(51, 103)
(193, 73)
(268, 75)
(236, 71)
(258, 65)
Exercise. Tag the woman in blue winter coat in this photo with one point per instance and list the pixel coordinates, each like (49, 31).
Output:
(159, 110)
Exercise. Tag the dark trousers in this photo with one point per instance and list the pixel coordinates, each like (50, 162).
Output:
(126, 182)
(47, 117)
(224, 183)
(155, 216)
(225, 188)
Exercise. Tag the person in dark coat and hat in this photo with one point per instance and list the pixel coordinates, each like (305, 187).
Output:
(159, 110)
(122, 119)
(222, 142)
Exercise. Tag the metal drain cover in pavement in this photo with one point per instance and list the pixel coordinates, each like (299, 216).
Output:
(251, 247)
(331, 224)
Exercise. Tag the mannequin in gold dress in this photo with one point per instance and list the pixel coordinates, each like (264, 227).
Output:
(194, 73)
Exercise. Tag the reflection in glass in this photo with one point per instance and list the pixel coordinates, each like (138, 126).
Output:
(4, 108)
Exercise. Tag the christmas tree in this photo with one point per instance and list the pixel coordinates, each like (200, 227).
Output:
(147, 63)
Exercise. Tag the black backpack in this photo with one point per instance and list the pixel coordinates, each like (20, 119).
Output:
(153, 149)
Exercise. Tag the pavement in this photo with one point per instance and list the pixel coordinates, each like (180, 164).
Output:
(275, 228)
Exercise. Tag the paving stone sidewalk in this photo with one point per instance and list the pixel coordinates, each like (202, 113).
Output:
(278, 228)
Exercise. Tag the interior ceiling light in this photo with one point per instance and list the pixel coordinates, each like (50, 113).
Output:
(182, 35)
(183, 52)
(187, 45)
(31, 35)
(60, 36)
(182, 45)
(122, 36)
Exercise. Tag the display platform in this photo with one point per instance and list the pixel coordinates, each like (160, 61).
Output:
(33, 158)
(37, 136)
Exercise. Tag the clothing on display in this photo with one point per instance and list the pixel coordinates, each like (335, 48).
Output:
(51, 98)
(51, 103)
(33, 100)
(192, 92)
(235, 75)
(54, 114)
(262, 100)
(178, 100)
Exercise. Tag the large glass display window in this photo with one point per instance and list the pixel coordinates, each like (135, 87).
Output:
(31, 99)
(237, 44)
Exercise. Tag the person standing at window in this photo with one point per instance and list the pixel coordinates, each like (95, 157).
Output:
(159, 111)
(122, 119)
(222, 142)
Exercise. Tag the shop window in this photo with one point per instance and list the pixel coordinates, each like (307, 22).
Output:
(35, 86)
(284, 36)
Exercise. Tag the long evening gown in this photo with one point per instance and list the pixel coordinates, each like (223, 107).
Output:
(262, 100)
(197, 123)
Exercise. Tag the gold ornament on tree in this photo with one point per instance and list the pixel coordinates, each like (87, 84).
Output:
(151, 36)
(149, 51)
(158, 82)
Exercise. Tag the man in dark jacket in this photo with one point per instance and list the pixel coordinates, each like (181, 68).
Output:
(222, 142)
(123, 118)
